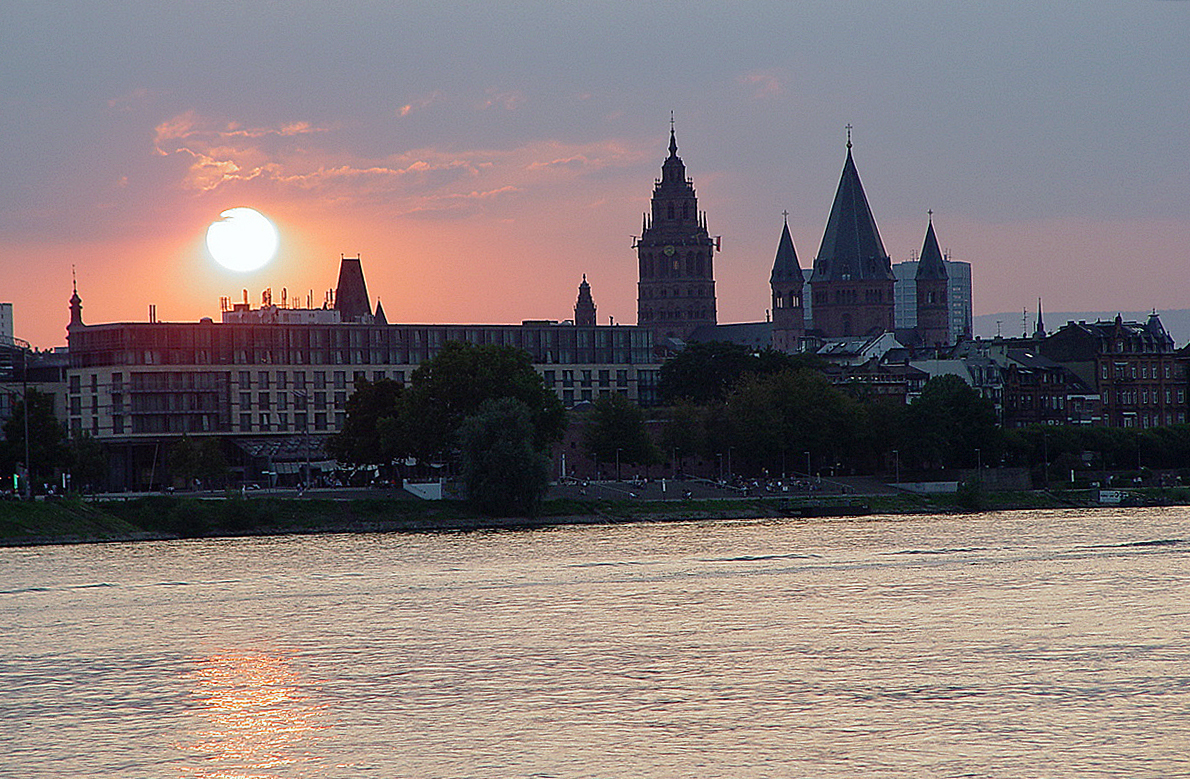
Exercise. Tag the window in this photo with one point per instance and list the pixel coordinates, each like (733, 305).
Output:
(262, 380)
(245, 422)
(340, 379)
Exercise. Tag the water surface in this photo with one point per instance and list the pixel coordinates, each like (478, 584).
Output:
(1020, 644)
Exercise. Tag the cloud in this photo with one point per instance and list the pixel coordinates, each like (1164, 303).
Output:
(763, 84)
(419, 104)
(507, 100)
(305, 161)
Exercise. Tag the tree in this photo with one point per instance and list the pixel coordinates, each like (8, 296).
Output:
(706, 372)
(369, 435)
(47, 449)
(949, 421)
(615, 430)
(202, 458)
(770, 421)
(88, 467)
(505, 474)
(453, 385)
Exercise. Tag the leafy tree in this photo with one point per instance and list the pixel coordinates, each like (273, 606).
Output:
(505, 473)
(47, 438)
(949, 421)
(202, 458)
(616, 426)
(772, 420)
(706, 372)
(455, 383)
(88, 462)
(685, 431)
(370, 435)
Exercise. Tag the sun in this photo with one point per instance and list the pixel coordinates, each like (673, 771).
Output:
(242, 240)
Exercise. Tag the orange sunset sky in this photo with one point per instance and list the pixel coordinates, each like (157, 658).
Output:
(482, 157)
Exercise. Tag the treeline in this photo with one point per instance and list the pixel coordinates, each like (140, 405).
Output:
(772, 413)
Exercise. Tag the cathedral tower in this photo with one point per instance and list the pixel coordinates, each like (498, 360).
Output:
(676, 291)
(852, 281)
(933, 304)
(787, 281)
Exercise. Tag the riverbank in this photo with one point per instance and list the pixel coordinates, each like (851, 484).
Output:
(171, 517)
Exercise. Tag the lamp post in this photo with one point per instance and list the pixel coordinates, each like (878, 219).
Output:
(807, 465)
(978, 463)
(617, 463)
(23, 345)
(897, 465)
(306, 443)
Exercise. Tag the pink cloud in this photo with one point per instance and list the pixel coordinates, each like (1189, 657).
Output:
(764, 84)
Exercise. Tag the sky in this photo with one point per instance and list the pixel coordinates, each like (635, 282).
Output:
(481, 157)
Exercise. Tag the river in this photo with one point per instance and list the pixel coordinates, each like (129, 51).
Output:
(1016, 644)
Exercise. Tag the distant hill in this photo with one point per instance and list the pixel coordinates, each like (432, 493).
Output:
(1177, 323)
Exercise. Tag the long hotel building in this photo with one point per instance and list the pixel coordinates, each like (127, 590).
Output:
(282, 372)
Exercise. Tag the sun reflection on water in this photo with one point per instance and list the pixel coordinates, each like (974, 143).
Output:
(257, 718)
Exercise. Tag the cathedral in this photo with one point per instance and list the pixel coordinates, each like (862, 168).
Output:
(849, 292)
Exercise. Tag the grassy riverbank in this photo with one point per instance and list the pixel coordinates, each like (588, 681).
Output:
(167, 517)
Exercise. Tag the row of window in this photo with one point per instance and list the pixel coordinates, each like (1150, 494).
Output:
(1123, 370)
(1145, 397)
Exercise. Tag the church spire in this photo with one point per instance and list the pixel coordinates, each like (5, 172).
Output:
(76, 303)
(786, 266)
(673, 139)
(851, 246)
(931, 265)
(1039, 330)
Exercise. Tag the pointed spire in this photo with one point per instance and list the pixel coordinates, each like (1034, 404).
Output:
(931, 265)
(851, 246)
(379, 317)
(1039, 330)
(786, 267)
(673, 140)
(76, 303)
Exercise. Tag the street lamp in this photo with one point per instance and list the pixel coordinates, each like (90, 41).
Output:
(23, 345)
(807, 465)
(305, 408)
(617, 463)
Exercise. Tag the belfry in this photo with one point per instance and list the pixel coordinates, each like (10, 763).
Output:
(676, 291)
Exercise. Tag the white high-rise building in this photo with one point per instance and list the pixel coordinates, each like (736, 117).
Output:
(905, 297)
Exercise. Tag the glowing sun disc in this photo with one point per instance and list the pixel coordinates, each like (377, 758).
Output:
(242, 240)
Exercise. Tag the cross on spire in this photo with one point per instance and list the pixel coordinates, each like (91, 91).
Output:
(931, 215)
(848, 135)
(785, 214)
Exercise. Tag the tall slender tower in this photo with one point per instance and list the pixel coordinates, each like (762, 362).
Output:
(787, 281)
(852, 282)
(584, 307)
(933, 303)
(676, 291)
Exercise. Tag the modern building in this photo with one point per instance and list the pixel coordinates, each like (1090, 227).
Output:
(675, 254)
(958, 276)
(277, 372)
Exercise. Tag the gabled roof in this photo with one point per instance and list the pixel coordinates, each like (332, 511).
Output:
(931, 266)
(851, 246)
(786, 268)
